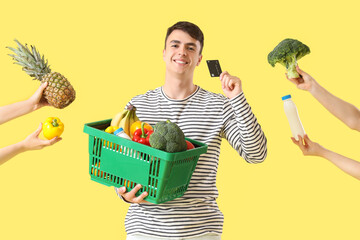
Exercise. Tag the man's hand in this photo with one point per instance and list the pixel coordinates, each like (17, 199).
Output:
(231, 85)
(130, 196)
(304, 82)
(308, 147)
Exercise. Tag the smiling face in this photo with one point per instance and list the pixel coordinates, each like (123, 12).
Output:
(181, 54)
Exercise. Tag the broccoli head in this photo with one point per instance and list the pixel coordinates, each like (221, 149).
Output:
(287, 52)
(167, 136)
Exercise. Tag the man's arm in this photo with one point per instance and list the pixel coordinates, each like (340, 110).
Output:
(18, 109)
(346, 112)
(241, 128)
(310, 148)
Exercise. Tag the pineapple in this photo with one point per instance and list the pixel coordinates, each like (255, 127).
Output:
(59, 93)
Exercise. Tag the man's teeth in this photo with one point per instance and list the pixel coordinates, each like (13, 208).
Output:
(178, 61)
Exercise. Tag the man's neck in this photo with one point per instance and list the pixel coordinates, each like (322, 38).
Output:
(178, 87)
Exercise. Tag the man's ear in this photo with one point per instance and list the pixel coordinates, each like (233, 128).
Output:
(198, 63)
(164, 54)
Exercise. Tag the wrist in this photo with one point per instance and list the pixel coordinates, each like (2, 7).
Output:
(315, 88)
(22, 146)
(235, 95)
(323, 152)
(30, 105)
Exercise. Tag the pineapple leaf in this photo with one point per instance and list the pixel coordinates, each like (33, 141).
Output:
(23, 48)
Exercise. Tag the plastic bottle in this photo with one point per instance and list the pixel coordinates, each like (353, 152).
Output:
(121, 133)
(293, 117)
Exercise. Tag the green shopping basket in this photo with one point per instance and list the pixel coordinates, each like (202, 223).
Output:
(115, 161)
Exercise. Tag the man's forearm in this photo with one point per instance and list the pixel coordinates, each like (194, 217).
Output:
(347, 165)
(247, 137)
(344, 111)
(15, 110)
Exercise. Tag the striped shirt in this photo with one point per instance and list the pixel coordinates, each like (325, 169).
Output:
(206, 117)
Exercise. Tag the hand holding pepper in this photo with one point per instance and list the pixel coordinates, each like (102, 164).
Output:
(142, 135)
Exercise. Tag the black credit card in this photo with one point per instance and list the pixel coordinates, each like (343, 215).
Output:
(214, 68)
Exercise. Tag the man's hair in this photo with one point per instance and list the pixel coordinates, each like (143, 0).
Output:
(190, 28)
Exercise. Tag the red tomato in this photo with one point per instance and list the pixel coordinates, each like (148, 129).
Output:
(189, 145)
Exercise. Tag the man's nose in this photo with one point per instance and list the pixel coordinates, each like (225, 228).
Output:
(182, 51)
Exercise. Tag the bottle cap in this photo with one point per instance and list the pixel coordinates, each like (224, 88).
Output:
(118, 130)
(286, 97)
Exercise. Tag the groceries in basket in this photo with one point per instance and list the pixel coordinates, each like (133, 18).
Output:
(165, 136)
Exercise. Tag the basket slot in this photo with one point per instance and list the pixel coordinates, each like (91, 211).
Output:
(114, 146)
(95, 149)
(145, 157)
(95, 167)
(97, 146)
(153, 182)
(154, 166)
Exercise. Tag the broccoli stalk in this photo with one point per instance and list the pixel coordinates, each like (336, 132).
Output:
(287, 52)
(290, 65)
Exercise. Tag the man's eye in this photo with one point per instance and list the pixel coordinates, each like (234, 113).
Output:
(175, 45)
(191, 48)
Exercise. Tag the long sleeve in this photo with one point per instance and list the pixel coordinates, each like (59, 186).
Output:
(242, 130)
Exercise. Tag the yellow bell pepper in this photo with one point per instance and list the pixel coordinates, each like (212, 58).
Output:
(52, 127)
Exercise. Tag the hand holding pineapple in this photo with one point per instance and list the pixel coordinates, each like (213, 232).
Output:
(37, 100)
(59, 93)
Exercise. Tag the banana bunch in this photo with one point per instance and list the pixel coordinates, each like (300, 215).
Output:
(125, 119)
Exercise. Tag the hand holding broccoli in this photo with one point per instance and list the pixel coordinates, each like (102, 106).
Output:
(304, 81)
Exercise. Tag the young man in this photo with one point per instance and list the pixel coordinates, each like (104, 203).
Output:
(203, 116)
(346, 112)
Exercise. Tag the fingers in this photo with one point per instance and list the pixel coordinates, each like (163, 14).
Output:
(229, 82)
(293, 80)
(301, 72)
(299, 142)
(307, 140)
(140, 198)
(223, 74)
(38, 131)
(54, 140)
(135, 190)
(40, 90)
(43, 86)
(121, 190)
(130, 196)
(294, 141)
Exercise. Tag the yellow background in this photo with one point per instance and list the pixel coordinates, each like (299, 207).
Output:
(112, 50)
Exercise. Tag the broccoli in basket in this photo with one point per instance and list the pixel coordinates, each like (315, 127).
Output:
(287, 52)
(168, 137)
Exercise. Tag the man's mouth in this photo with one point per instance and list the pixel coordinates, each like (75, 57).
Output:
(180, 61)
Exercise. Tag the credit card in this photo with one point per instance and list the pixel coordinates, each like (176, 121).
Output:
(214, 68)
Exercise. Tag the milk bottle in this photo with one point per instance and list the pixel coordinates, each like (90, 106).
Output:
(293, 117)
